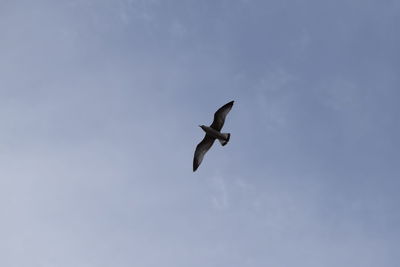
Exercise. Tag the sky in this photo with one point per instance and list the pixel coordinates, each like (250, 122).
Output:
(100, 103)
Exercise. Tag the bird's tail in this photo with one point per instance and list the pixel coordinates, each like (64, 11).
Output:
(225, 140)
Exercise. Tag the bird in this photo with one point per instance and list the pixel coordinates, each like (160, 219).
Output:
(212, 132)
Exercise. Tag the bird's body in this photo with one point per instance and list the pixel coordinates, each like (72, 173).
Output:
(212, 132)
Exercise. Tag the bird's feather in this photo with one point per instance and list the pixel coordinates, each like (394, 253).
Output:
(201, 150)
(220, 115)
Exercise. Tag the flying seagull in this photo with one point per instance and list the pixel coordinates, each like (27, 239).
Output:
(212, 132)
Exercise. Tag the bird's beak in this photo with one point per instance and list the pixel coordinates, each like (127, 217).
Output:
(200, 126)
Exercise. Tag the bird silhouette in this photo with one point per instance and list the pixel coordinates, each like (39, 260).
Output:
(212, 132)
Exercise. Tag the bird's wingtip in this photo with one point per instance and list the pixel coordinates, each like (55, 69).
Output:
(195, 167)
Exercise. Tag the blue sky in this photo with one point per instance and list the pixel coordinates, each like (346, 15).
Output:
(100, 103)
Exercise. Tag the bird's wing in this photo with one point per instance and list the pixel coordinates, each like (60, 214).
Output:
(220, 115)
(201, 150)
